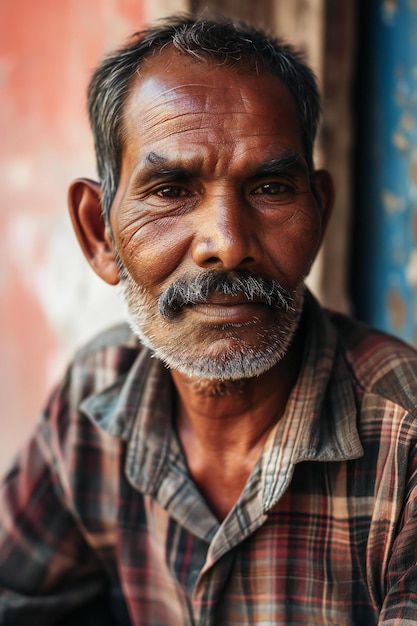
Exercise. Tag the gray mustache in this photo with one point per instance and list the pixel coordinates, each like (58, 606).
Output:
(189, 291)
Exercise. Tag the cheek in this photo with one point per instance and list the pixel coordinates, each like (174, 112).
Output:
(155, 251)
(294, 248)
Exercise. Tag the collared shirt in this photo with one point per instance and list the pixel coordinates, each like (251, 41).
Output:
(99, 515)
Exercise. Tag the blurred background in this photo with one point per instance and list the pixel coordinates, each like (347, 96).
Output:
(365, 57)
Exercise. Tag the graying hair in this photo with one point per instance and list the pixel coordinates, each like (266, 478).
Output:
(185, 291)
(221, 40)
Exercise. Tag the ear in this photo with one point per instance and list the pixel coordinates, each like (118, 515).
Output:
(84, 202)
(324, 192)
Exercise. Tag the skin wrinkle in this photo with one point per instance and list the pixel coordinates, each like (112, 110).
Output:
(239, 361)
(198, 289)
(274, 165)
(221, 157)
(172, 104)
(226, 118)
(179, 41)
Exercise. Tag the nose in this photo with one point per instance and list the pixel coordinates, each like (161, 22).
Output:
(227, 234)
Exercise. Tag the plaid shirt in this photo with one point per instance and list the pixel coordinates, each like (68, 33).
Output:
(100, 522)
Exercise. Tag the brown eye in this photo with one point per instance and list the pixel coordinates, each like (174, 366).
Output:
(271, 189)
(172, 191)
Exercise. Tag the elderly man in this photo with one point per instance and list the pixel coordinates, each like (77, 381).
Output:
(261, 469)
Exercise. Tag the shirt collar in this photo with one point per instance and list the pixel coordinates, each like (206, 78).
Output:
(319, 422)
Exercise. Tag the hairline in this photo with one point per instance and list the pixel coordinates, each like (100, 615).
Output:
(239, 68)
(109, 147)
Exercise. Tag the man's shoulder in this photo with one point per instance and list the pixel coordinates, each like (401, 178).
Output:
(379, 362)
(100, 363)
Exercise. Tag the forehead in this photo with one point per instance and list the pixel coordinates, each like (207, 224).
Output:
(178, 101)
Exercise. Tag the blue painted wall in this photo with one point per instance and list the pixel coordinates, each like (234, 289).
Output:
(384, 261)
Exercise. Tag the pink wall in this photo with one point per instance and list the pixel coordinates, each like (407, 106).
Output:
(50, 300)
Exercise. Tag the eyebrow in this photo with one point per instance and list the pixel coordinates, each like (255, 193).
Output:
(159, 166)
(288, 160)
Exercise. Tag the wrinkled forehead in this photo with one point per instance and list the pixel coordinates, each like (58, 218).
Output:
(174, 86)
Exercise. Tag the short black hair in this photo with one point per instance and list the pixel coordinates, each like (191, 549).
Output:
(222, 40)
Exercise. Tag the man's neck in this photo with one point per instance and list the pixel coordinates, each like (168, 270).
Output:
(223, 427)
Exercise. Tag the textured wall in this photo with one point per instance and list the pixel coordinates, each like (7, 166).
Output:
(50, 299)
(385, 260)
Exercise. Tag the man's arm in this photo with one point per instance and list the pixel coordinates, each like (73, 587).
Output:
(400, 602)
(47, 568)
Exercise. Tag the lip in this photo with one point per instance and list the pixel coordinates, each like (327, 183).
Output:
(234, 310)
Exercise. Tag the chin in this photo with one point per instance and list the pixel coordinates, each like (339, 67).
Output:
(222, 359)
(220, 355)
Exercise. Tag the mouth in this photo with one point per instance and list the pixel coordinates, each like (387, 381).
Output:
(220, 309)
(223, 293)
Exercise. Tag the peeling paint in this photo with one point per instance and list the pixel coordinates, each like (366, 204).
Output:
(388, 298)
(397, 309)
(411, 269)
(407, 120)
(392, 203)
(413, 171)
(389, 8)
(400, 141)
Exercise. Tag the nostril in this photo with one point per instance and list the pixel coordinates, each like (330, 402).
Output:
(226, 251)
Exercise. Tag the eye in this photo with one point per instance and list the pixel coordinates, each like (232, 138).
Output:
(172, 191)
(271, 189)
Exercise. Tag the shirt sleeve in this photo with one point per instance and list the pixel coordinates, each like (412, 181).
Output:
(47, 568)
(400, 602)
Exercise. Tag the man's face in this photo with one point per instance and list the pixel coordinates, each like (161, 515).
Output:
(214, 198)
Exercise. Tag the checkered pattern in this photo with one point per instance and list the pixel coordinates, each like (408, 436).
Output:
(100, 522)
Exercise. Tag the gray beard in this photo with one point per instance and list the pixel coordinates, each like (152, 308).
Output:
(241, 361)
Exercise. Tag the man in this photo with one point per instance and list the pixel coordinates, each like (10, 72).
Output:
(262, 468)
